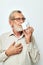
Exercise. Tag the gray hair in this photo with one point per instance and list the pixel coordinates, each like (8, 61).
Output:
(11, 16)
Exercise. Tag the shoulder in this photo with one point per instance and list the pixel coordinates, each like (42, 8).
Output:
(5, 34)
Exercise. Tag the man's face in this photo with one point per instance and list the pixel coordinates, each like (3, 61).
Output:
(17, 20)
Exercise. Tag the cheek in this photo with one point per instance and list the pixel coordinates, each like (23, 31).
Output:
(15, 22)
(11, 23)
(18, 24)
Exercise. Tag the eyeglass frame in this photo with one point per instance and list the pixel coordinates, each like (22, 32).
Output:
(18, 19)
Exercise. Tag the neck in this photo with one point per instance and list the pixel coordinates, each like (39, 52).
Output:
(16, 33)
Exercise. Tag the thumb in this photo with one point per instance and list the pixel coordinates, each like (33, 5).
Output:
(24, 32)
(13, 44)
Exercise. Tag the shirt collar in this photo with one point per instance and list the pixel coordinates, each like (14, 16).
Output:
(12, 34)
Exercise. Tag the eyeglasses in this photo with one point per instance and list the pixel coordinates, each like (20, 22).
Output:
(18, 19)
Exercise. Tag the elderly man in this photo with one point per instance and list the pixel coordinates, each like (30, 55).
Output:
(18, 46)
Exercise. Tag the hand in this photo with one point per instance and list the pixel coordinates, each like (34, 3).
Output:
(28, 33)
(14, 49)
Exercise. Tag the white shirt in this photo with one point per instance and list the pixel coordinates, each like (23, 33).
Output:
(29, 54)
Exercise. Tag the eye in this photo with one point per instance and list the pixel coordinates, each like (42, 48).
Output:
(23, 18)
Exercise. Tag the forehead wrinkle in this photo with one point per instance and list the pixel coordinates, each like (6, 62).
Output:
(18, 15)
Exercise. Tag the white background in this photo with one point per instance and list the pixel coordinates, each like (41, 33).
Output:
(33, 11)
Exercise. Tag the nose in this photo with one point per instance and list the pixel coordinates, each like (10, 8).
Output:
(21, 21)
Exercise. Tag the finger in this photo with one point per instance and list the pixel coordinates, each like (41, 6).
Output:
(19, 50)
(32, 30)
(24, 32)
(17, 45)
(13, 44)
(20, 47)
(27, 30)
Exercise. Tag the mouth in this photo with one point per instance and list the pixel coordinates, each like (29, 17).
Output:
(21, 32)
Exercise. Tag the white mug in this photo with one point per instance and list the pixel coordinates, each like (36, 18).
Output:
(25, 25)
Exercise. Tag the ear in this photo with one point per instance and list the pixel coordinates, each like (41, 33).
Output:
(11, 23)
